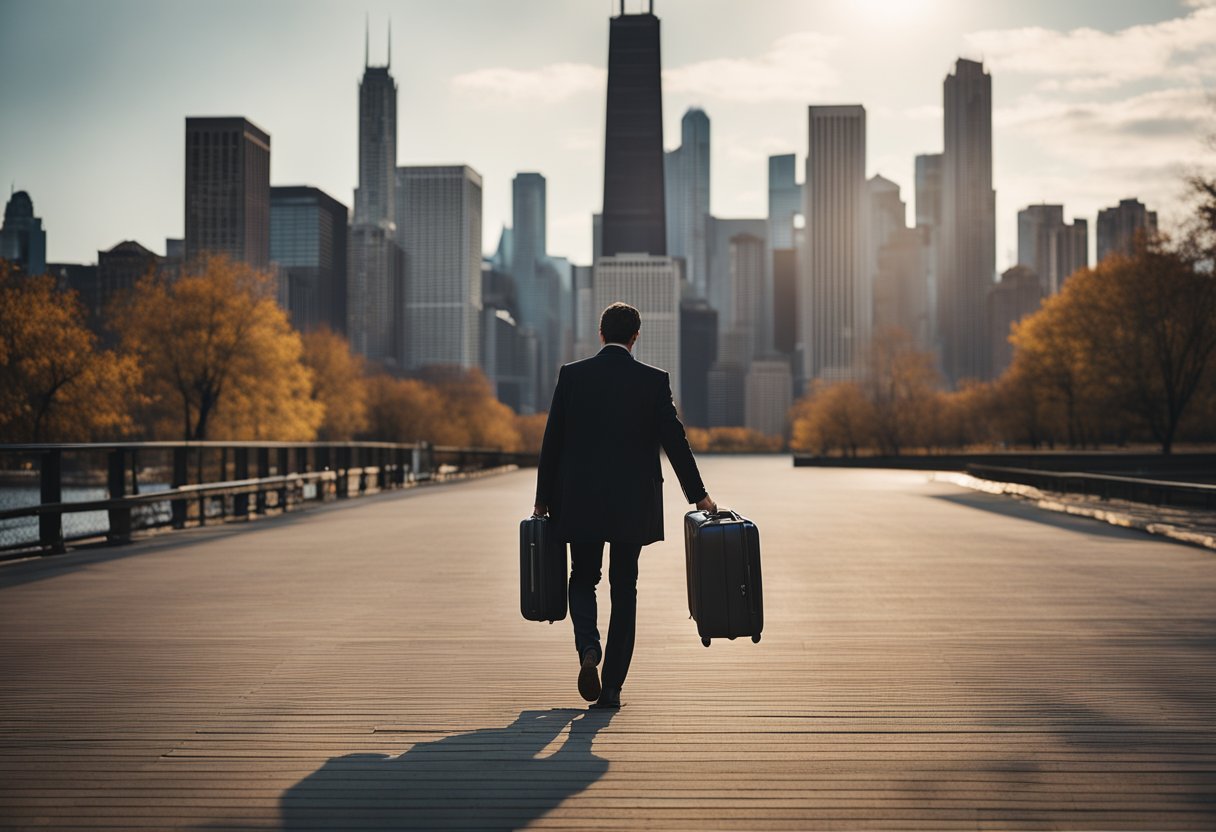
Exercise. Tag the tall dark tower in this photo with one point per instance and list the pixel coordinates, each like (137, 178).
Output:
(634, 213)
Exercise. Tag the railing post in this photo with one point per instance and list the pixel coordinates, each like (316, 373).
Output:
(120, 518)
(50, 524)
(321, 456)
(180, 475)
(263, 472)
(240, 462)
(343, 468)
(284, 469)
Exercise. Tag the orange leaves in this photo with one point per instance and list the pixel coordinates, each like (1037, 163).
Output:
(55, 384)
(337, 383)
(221, 358)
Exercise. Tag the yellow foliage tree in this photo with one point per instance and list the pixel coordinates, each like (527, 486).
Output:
(403, 410)
(472, 415)
(531, 430)
(833, 417)
(338, 383)
(900, 385)
(221, 359)
(732, 440)
(55, 384)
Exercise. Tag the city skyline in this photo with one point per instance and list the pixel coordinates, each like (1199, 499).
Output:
(438, 96)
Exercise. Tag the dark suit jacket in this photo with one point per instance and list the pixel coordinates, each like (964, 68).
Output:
(599, 468)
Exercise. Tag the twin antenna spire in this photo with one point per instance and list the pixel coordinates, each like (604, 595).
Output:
(367, 39)
(649, 8)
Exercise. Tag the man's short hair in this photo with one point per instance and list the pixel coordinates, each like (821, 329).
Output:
(619, 323)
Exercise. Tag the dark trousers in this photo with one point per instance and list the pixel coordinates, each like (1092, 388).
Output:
(586, 564)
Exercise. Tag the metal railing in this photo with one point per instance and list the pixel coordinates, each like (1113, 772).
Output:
(1105, 486)
(55, 494)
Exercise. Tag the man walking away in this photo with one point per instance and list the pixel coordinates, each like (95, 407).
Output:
(600, 480)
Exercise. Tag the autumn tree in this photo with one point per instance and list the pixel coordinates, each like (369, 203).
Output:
(531, 429)
(403, 410)
(221, 359)
(473, 416)
(900, 384)
(55, 383)
(337, 383)
(833, 417)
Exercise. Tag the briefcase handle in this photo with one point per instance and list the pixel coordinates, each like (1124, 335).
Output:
(722, 514)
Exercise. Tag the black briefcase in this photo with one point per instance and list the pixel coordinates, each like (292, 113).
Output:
(722, 559)
(542, 571)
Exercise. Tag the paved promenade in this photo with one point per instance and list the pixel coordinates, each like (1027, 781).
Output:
(933, 658)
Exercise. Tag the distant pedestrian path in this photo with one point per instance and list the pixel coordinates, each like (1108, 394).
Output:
(932, 658)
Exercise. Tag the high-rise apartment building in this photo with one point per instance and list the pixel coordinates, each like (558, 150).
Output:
(652, 285)
(901, 285)
(634, 216)
(1049, 246)
(22, 237)
(967, 261)
(228, 189)
(747, 253)
(439, 229)
(1118, 227)
(835, 297)
(686, 171)
(308, 242)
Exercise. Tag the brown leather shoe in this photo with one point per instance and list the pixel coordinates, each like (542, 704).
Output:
(589, 676)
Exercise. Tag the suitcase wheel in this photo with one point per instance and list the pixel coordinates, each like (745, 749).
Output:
(756, 638)
(705, 641)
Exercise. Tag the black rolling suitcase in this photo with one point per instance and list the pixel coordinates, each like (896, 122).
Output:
(542, 571)
(722, 559)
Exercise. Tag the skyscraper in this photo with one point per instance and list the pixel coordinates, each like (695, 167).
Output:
(22, 237)
(686, 171)
(834, 296)
(698, 352)
(1119, 226)
(929, 224)
(439, 230)
(1051, 248)
(634, 216)
(528, 251)
(1018, 294)
(374, 200)
(967, 262)
(784, 204)
(721, 285)
(652, 285)
(375, 275)
(228, 189)
(308, 241)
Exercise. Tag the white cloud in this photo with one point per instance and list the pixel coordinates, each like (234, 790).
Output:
(795, 68)
(550, 84)
(1088, 59)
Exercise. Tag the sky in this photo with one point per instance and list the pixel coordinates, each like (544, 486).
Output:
(1094, 100)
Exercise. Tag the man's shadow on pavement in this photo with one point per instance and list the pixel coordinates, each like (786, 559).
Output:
(485, 779)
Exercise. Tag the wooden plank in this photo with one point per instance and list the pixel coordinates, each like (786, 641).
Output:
(932, 659)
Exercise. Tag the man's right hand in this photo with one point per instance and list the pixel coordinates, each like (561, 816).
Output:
(707, 503)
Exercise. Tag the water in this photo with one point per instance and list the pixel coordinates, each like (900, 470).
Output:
(20, 531)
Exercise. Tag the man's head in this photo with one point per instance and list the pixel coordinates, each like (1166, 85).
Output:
(620, 324)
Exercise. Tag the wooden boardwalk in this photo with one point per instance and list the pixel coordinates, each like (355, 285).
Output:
(934, 658)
